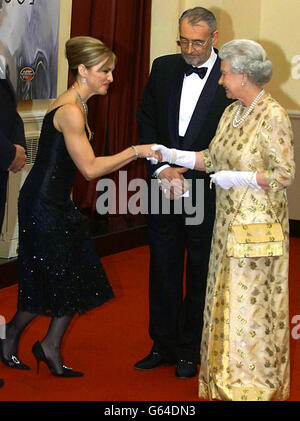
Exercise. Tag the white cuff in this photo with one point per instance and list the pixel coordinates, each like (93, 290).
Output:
(159, 170)
(186, 159)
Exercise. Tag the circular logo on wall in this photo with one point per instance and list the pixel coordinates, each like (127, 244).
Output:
(26, 74)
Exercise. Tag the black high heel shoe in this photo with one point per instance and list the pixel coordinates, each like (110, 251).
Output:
(39, 354)
(13, 362)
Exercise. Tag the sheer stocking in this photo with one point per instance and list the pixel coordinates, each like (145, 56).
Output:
(14, 330)
(51, 344)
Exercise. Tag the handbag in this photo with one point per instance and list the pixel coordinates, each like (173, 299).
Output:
(255, 240)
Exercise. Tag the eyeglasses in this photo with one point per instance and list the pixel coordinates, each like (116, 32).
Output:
(197, 44)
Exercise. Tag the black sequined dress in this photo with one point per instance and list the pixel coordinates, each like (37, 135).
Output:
(59, 270)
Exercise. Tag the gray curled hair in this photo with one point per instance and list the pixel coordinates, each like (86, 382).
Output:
(249, 57)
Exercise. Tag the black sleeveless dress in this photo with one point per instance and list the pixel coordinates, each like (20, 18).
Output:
(59, 270)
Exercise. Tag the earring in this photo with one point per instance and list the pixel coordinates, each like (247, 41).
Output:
(243, 83)
(83, 80)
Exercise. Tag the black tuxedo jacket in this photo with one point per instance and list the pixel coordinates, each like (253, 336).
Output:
(11, 125)
(158, 111)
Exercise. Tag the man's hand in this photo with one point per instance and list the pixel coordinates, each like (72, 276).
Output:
(19, 161)
(174, 185)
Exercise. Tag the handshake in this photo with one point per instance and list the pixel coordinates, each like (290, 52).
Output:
(224, 179)
(173, 156)
(172, 182)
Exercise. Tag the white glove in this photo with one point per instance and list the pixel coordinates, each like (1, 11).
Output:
(227, 179)
(186, 159)
(152, 160)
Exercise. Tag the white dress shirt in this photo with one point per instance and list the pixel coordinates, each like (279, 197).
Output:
(191, 90)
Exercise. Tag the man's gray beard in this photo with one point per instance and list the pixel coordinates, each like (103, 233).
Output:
(194, 61)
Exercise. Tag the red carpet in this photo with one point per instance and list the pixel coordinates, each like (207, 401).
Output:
(106, 342)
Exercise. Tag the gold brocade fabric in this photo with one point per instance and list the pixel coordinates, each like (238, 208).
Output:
(245, 340)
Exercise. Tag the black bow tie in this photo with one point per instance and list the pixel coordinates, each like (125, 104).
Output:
(201, 71)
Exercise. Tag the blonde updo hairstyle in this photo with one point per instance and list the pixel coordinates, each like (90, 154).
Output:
(249, 57)
(88, 51)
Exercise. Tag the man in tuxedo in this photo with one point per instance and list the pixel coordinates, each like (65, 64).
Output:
(12, 139)
(181, 109)
(12, 142)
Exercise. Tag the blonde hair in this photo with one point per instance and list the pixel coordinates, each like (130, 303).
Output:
(88, 51)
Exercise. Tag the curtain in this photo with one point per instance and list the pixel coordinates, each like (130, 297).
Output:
(124, 25)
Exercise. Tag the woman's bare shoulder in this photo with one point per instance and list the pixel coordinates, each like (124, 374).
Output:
(68, 115)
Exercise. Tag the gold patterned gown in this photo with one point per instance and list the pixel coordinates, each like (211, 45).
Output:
(245, 341)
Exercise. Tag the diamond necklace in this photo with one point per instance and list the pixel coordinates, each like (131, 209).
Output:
(84, 106)
(238, 121)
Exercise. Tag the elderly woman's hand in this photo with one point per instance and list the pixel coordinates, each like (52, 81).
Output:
(227, 179)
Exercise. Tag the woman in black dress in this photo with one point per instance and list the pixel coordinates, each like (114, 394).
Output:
(59, 270)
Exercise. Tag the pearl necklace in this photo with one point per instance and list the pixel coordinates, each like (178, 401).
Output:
(84, 106)
(238, 121)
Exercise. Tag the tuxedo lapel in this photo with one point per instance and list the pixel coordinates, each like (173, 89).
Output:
(203, 104)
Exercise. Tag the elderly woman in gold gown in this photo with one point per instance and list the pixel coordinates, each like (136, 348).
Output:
(245, 340)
